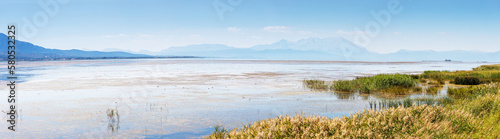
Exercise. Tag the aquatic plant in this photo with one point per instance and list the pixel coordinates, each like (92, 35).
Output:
(113, 119)
(343, 85)
(315, 84)
(409, 102)
(473, 91)
(432, 90)
(487, 67)
(374, 83)
(447, 75)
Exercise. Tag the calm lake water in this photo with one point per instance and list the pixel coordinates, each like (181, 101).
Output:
(179, 98)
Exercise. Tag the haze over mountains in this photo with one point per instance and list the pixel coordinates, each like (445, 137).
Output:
(336, 49)
(29, 51)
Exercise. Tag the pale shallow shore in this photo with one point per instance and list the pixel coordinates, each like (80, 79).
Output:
(157, 97)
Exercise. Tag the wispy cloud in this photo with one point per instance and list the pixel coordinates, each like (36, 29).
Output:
(397, 33)
(195, 35)
(441, 33)
(145, 35)
(349, 32)
(277, 29)
(305, 32)
(233, 29)
(256, 37)
(112, 36)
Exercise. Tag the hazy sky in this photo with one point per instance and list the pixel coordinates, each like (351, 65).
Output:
(158, 24)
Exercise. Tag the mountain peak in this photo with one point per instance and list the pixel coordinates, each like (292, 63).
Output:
(329, 44)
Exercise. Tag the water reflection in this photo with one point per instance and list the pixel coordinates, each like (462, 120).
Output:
(344, 95)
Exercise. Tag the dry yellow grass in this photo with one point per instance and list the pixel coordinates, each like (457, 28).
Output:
(414, 122)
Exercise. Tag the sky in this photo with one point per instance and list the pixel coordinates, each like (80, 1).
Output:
(381, 26)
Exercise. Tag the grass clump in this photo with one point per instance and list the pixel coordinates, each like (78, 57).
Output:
(473, 91)
(487, 67)
(479, 75)
(409, 102)
(432, 90)
(315, 84)
(376, 83)
(219, 132)
(343, 85)
(447, 75)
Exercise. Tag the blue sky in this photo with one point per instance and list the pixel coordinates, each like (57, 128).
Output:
(158, 24)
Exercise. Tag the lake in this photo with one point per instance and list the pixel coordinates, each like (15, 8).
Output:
(179, 98)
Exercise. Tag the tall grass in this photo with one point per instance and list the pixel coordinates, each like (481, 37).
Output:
(473, 91)
(409, 102)
(447, 75)
(374, 83)
(343, 85)
(420, 121)
(487, 67)
(315, 84)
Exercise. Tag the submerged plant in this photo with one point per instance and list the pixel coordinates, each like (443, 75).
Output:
(113, 120)
(315, 84)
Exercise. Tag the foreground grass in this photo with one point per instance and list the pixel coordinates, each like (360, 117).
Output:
(418, 121)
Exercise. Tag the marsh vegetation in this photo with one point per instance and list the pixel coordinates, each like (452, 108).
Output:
(471, 111)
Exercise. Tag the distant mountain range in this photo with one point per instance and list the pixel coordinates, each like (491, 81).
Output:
(336, 49)
(29, 51)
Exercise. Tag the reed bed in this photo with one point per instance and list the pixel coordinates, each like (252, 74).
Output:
(376, 83)
(409, 102)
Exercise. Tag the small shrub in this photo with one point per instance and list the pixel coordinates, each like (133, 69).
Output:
(415, 76)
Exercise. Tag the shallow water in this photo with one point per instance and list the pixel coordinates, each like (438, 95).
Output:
(179, 98)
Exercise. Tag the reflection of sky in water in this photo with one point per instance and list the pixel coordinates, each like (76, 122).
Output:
(180, 98)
